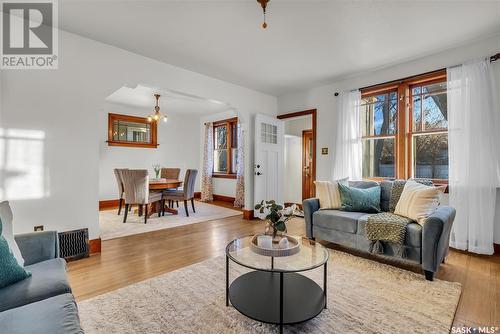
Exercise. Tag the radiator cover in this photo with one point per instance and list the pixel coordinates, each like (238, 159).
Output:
(74, 245)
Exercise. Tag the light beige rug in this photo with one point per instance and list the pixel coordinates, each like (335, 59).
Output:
(363, 297)
(112, 226)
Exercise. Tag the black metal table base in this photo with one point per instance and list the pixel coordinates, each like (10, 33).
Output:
(277, 298)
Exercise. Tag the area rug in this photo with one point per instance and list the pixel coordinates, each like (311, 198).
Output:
(363, 297)
(111, 225)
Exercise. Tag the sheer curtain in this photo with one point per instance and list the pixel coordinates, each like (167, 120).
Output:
(473, 143)
(347, 152)
(207, 187)
(239, 201)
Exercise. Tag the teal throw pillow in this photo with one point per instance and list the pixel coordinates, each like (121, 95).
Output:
(10, 271)
(360, 200)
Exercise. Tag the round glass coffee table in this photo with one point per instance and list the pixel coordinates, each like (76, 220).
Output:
(274, 291)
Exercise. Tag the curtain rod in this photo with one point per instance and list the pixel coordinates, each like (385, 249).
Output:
(492, 59)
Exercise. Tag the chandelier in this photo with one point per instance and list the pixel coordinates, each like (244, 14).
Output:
(263, 4)
(156, 116)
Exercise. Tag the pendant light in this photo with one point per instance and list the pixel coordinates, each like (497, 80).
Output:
(157, 116)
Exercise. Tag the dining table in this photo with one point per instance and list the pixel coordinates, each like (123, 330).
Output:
(164, 184)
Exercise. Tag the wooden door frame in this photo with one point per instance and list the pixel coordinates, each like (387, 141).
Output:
(314, 113)
(305, 133)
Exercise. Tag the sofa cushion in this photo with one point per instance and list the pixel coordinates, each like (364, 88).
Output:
(56, 315)
(337, 220)
(385, 195)
(363, 184)
(48, 279)
(413, 231)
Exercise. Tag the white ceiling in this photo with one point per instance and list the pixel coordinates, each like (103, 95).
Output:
(142, 97)
(308, 42)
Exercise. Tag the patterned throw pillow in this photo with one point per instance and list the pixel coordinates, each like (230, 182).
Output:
(11, 272)
(360, 200)
(397, 190)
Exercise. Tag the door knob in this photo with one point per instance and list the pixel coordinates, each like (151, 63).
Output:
(258, 173)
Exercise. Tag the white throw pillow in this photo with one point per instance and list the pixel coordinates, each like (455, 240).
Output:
(418, 201)
(7, 231)
(328, 193)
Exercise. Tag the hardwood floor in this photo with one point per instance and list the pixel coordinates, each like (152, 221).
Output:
(128, 260)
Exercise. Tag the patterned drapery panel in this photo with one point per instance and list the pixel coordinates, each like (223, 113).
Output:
(207, 187)
(240, 170)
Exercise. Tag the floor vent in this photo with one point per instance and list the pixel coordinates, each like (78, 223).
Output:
(74, 245)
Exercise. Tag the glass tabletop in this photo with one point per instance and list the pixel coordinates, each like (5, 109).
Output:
(310, 256)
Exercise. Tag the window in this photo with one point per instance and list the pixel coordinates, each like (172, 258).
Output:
(124, 130)
(404, 128)
(225, 148)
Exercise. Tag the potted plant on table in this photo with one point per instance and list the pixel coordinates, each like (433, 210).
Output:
(276, 218)
(157, 169)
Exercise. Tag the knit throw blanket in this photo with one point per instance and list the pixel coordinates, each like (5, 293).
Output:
(387, 227)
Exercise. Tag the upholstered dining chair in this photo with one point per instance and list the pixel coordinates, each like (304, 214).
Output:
(136, 187)
(186, 193)
(170, 173)
(119, 183)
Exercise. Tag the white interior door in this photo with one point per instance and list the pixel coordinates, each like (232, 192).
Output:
(269, 159)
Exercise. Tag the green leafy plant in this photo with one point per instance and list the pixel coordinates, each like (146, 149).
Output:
(276, 215)
(157, 169)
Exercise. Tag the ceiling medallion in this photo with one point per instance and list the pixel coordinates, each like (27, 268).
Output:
(263, 4)
(156, 116)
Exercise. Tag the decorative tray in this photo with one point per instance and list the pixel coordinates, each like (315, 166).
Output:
(275, 251)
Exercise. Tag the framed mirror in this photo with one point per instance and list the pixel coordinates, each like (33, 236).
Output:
(132, 131)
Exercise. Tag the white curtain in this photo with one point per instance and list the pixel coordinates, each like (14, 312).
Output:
(346, 151)
(473, 144)
(239, 201)
(207, 187)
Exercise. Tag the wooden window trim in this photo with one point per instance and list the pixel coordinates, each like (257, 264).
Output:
(403, 145)
(386, 89)
(127, 118)
(229, 143)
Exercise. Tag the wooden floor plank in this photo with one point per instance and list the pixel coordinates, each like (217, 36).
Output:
(132, 259)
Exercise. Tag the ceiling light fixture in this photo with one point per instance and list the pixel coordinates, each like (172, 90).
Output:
(263, 4)
(157, 115)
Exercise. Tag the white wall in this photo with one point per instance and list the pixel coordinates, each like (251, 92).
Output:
(178, 141)
(292, 185)
(322, 98)
(61, 109)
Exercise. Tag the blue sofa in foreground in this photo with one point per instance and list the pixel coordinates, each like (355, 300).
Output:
(425, 244)
(42, 303)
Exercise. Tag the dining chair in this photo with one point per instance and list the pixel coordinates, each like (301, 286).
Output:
(119, 183)
(186, 193)
(170, 173)
(136, 187)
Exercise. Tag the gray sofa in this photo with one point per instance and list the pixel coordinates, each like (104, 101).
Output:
(42, 303)
(427, 245)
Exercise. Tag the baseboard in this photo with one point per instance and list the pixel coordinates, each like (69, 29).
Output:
(95, 246)
(223, 198)
(108, 204)
(496, 248)
(248, 214)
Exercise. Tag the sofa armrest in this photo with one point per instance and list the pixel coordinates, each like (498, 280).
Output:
(38, 246)
(436, 237)
(310, 206)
